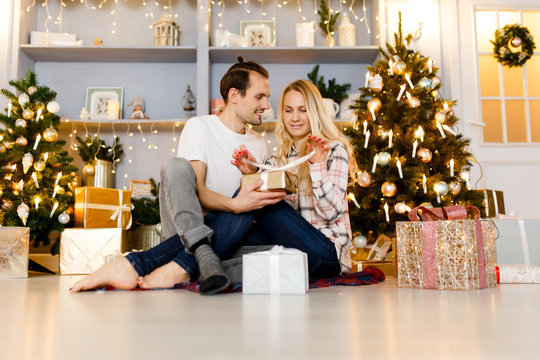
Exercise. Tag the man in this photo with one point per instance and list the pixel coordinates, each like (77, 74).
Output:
(201, 176)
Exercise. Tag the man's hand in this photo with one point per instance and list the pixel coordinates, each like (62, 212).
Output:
(250, 199)
(320, 145)
(244, 167)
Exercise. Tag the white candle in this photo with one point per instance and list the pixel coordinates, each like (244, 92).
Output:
(37, 202)
(353, 199)
(34, 176)
(449, 129)
(402, 89)
(113, 109)
(398, 163)
(38, 138)
(445, 106)
(390, 135)
(438, 195)
(430, 65)
(420, 133)
(386, 214)
(38, 114)
(9, 109)
(408, 78)
(368, 77)
(58, 178)
(45, 157)
(375, 158)
(372, 111)
(452, 167)
(55, 206)
(56, 188)
(441, 129)
(365, 126)
(367, 140)
(390, 67)
(424, 183)
(414, 145)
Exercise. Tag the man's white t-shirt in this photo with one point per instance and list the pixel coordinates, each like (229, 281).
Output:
(207, 139)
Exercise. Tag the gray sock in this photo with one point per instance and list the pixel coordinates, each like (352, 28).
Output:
(213, 278)
(209, 263)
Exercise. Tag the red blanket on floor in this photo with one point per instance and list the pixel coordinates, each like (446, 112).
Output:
(371, 275)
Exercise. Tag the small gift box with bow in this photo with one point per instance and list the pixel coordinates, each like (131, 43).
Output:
(446, 250)
(275, 178)
(83, 251)
(278, 180)
(14, 252)
(276, 271)
(102, 208)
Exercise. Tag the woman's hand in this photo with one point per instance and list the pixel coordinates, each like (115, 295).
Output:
(320, 145)
(244, 167)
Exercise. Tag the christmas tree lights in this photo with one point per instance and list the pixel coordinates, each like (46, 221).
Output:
(36, 174)
(407, 150)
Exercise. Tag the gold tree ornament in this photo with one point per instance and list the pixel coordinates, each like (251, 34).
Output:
(28, 114)
(50, 134)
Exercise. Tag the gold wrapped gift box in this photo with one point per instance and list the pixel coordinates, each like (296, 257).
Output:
(102, 208)
(493, 203)
(83, 251)
(387, 267)
(14, 242)
(274, 180)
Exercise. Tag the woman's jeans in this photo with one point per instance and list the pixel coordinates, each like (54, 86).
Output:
(183, 224)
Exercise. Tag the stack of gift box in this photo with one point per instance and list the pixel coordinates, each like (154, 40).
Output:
(102, 217)
(377, 254)
(444, 248)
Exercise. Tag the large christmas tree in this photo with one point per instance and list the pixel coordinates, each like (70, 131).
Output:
(36, 174)
(409, 152)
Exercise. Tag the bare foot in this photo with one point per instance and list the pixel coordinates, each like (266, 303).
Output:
(118, 273)
(165, 276)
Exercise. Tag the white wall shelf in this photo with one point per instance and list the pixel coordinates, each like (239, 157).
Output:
(110, 54)
(296, 55)
(122, 124)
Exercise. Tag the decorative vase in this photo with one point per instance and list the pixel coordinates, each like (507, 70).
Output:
(103, 175)
(346, 32)
(329, 40)
(145, 237)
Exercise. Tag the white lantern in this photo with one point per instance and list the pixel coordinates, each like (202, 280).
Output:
(166, 32)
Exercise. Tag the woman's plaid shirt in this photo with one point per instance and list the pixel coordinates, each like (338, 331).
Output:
(326, 208)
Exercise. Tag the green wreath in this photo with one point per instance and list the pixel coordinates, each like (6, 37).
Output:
(513, 45)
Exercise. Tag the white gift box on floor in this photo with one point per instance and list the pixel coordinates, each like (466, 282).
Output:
(83, 251)
(518, 241)
(276, 271)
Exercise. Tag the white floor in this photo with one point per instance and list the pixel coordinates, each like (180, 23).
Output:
(39, 319)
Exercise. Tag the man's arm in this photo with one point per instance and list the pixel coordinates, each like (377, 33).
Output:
(246, 200)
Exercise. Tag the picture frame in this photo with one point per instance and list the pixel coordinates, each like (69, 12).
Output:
(104, 103)
(259, 33)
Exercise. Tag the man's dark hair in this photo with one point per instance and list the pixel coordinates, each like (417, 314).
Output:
(237, 77)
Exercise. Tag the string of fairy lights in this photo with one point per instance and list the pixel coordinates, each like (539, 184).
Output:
(144, 132)
(219, 6)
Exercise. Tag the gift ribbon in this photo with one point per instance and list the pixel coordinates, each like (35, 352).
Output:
(524, 243)
(495, 202)
(7, 252)
(430, 216)
(117, 209)
(264, 174)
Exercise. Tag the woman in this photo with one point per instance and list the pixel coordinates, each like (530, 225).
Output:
(316, 219)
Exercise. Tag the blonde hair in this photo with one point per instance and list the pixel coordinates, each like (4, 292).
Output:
(321, 125)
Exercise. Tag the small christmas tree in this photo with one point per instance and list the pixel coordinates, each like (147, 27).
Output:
(36, 174)
(333, 91)
(408, 151)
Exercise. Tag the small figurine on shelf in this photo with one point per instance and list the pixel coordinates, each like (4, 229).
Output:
(98, 41)
(138, 108)
(84, 115)
(189, 102)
